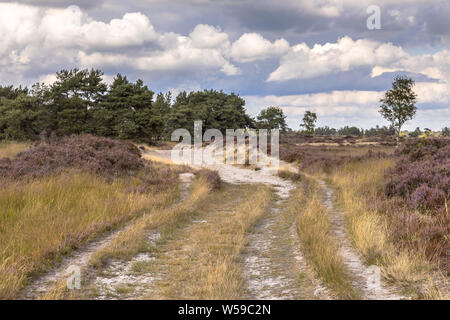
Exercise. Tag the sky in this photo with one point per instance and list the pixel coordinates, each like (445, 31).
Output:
(300, 55)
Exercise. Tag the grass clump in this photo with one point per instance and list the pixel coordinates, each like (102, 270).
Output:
(314, 230)
(211, 177)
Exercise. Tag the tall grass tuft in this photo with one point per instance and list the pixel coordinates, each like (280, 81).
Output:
(314, 230)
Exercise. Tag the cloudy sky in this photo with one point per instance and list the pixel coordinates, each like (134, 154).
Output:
(302, 55)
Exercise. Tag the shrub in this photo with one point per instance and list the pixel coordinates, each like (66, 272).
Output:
(97, 155)
(422, 175)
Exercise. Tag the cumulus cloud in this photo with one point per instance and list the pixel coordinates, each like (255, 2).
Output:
(206, 36)
(303, 62)
(37, 40)
(34, 36)
(436, 66)
(252, 46)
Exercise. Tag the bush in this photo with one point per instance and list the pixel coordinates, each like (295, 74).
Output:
(422, 175)
(97, 155)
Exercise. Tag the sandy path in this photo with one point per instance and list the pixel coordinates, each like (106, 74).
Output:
(361, 275)
(122, 279)
(41, 284)
(273, 265)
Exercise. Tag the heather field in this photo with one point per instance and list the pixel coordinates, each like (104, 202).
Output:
(133, 221)
(241, 159)
(58, 195)
(394, 203)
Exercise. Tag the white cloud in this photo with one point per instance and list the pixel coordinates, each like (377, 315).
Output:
(436, 66)
(48, 78)
(303, 62)
(37, 37)
(206, 36)
(177, 54)
(252, 46)
(428, 92)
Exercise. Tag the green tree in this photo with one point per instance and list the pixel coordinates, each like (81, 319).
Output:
(309, 122)
(163, 103)
(325, 131)
(350, 131)
(272, 118)
(127, 112)
(398, 103)
(215, 108)
(80, 102)
(415, 133)
(446, 132)
(74, 93)
(22, 112)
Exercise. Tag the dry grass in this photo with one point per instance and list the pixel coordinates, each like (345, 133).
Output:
(314, 230)
(203, 259)
(41, 220)
(322, 159)
(133, 239)
(11, 149)
(157, 159)
(358, 185)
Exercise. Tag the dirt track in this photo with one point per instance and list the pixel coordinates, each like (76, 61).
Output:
(273, 266)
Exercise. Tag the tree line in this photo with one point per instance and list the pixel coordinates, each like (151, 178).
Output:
(80, 102)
